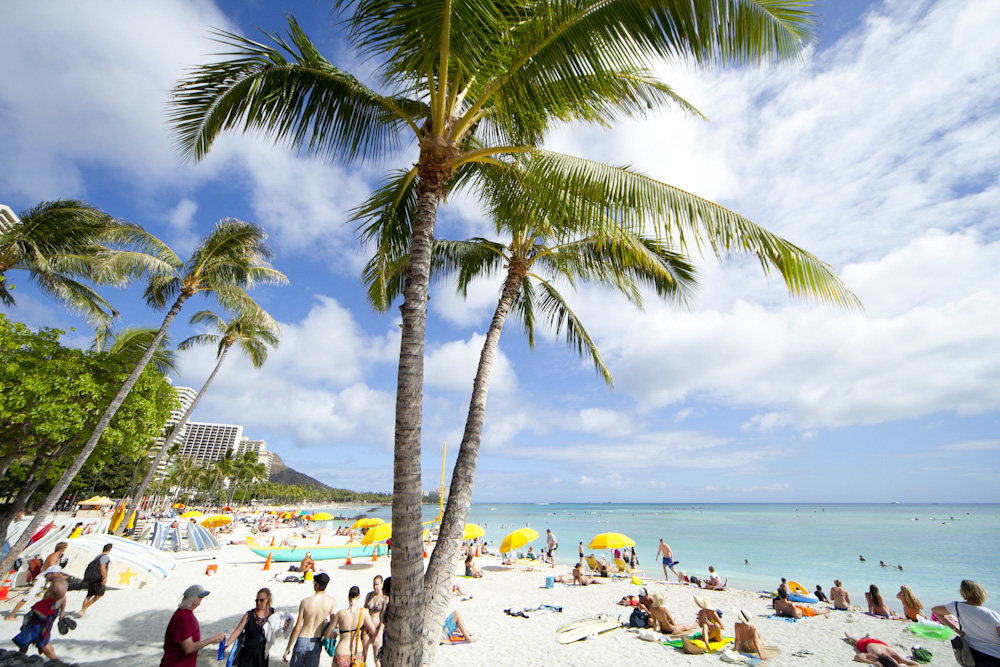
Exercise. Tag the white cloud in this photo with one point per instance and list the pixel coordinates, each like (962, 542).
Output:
(453, 366)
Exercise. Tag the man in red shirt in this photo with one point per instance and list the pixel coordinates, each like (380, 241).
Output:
(182, 640)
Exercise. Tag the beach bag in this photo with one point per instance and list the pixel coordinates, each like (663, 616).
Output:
(638, 618)
(963, 653)
(922, 655)
(358, 661)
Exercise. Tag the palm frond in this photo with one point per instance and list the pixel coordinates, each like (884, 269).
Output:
(130, 343)
(561, 317)
(288, 92)
(636, 201)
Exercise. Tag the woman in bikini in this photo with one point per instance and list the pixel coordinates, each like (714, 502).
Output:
(746, 637)
(839, 597)
(876, 605)
(911, 605)
(348, 621)
(375, 603)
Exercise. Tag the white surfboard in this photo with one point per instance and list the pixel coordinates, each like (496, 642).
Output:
(587, 630)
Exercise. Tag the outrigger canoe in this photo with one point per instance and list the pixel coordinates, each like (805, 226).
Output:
(296, 554)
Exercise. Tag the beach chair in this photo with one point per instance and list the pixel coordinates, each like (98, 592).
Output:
(625, 570)
(595, 567)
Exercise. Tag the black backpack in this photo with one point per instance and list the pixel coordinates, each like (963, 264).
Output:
(638, 618)
(92, 574)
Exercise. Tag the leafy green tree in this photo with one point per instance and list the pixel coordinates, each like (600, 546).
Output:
(56, 243)
(53, 399)
(233, 258)
(476, 81)
(252, 331)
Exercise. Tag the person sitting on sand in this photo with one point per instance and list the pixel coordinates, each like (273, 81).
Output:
(839, 597)
(307, 564)
(820, 595)
(708, 620)
(470, 568)
(782, 607)
(876, 605)
(911, 605)
(876, 651)
(714, 581)
(581, 579)
(660, 618)
(531, 553)
(454, 630)
(745, 636)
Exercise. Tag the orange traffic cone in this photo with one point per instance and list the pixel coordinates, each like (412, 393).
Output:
(6, 585)
(375, 554)
(267, 563)
(318, 538)
(348, 556)
(272, 541)
(425, 552)
(477, 551)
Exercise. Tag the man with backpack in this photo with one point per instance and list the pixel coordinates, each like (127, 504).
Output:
(96, 577)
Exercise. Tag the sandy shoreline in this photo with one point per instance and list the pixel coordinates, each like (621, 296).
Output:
(126, 627)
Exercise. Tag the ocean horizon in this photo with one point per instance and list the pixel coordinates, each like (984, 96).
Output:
(755, 544)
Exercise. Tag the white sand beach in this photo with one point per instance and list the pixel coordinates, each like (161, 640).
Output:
(126, 628)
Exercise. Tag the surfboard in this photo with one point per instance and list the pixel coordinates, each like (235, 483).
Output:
(587, 630)
(586, 620)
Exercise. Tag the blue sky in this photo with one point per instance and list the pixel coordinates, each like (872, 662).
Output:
(878, 152)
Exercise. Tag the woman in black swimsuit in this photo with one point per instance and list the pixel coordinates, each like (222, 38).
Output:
(349, 621)
(253, 643)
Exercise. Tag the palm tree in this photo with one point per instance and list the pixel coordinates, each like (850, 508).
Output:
(132, 342)
(540, 252)
(57, 242)
(477, 82)
(253, 330)
(230, 260)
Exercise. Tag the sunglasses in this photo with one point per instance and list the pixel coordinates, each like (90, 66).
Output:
(261, 599)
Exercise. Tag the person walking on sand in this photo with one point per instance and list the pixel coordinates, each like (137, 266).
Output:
(96, 578)
(304, 644)
(37, 628)
(182, 639)
(51, 567)
(668, 559)
(550, 547)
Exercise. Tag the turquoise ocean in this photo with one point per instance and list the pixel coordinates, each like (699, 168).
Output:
(938, 545)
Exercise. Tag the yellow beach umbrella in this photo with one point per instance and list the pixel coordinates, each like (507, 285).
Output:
(322, 516)
(473, 530)
(611, 541)
(371, 522)
(517, 539)
(191, 514)
(379, 533)
(216, 520)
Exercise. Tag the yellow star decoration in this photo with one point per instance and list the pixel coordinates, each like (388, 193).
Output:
(125, 577)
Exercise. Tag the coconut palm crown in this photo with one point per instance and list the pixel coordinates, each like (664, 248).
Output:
(473, 82)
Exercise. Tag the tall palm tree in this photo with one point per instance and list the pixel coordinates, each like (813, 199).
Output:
(476, 81)
(57, 242)
(252, 330)
(539, 253)
(230, 260)
(132, 342)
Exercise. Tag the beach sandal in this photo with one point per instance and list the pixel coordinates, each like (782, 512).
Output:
(66, 624)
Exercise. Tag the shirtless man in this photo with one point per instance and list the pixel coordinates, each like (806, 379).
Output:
(839, 597)
(659, 617)
(308, 564)
(782, 607)
(870, 650)
(668, 559)
(53, 560)
(304, 644)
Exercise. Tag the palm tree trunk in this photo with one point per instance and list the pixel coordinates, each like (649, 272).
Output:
(21, 499)
(174, 432)
(440, 570)
(406, 610)
(70, 474)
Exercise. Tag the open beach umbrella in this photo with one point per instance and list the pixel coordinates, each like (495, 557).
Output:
(216, 520)
(322, 516)
(191, 514)
(367, 522)
(611, 541)
(473, 530)
(517, 539)
(227, 508)
(379, 533)
(178, 506)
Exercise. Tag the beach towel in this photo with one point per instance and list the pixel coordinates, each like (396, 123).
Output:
(697, 641)
(527, 612)
(786, 619)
